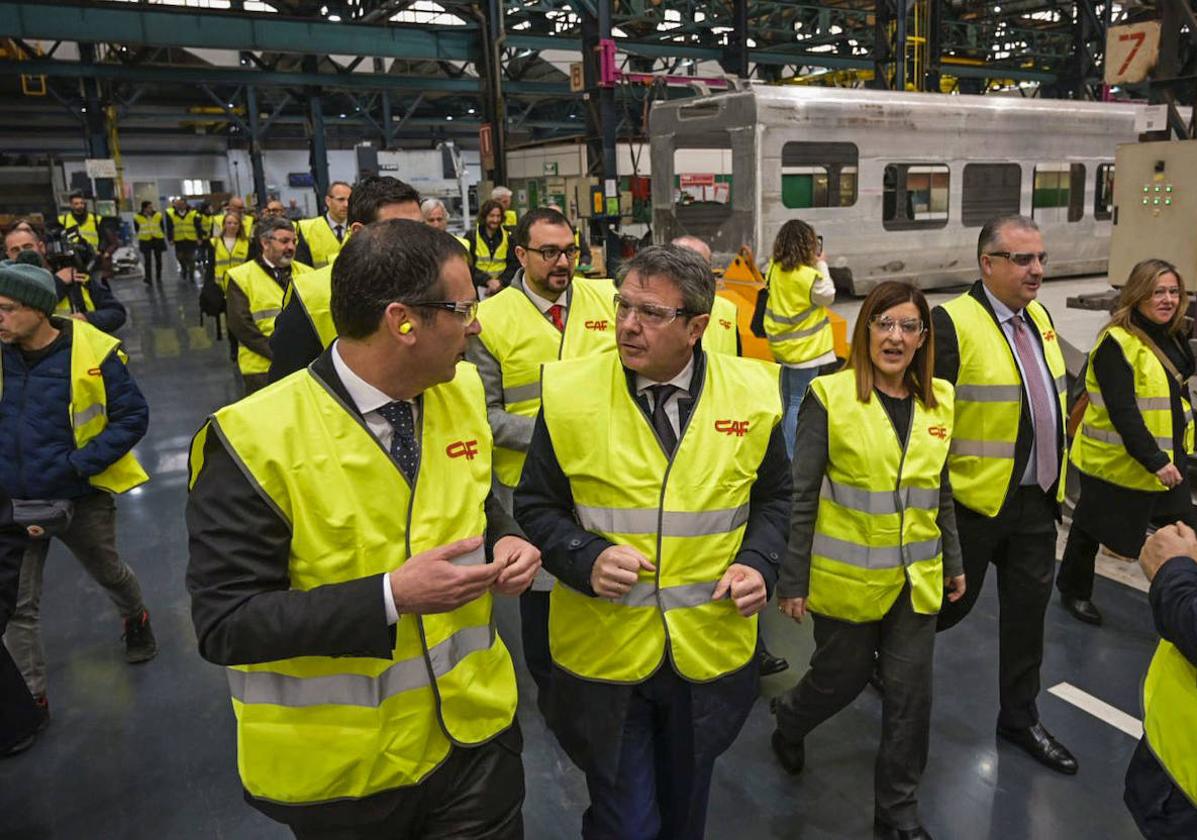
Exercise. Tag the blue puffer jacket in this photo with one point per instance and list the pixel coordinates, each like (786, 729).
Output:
(38, 458)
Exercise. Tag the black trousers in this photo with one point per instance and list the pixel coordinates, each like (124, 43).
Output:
(151, 256)
(476, 794)
(19, 716)
(185, 254)
(840, 668)
(534, 630)
(1020, 542)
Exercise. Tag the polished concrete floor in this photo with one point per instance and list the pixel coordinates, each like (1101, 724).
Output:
(148, 751)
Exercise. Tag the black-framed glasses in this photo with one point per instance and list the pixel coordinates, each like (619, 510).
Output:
(467, 309)
(648, 314)
(1022, 259)
(906, 326)
(551, 253)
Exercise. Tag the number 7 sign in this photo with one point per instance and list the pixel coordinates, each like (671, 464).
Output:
(1131, 52)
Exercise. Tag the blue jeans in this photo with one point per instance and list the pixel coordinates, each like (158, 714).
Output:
(794, 382)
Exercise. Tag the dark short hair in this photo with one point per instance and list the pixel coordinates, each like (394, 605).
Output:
(146, 204)
(374, 192)
(523, 230)
(271, 225)
(384, 262)
(683, 267)
(991, 231)
(76, 194)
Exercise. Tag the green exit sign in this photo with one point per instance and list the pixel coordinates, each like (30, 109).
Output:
(550, 168)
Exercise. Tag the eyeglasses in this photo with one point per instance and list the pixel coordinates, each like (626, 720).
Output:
(648, 314)
(1020, 258)
(467, 309)
(551, 253)
(908, 326)
(1166, 291)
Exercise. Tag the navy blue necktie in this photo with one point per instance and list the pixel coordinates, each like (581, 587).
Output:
(664, 429)
(405, 449)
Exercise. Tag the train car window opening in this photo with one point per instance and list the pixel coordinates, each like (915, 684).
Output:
(990, 189)
(818, 175)
(1103, 194)
(915, 196)
(703, 187)
(1059, 192)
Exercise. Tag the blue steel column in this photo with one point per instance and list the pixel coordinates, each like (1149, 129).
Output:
(493, 106)
(600, 124)
(97, 133)
(319, 153)
(900, 46)
(255, 144)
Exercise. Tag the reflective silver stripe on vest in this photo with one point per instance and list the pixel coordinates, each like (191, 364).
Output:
(982, 448)
(988, 393)
(865, 557)
(521, 393)
(800, 333)
(877, 502)
(358, 689)
(1144, 403)
(89, 413)
(791, 319)
(672, 523)
(1116, 439)
(475, 558)
(644, 594)
(1061, 383)
(263, 314)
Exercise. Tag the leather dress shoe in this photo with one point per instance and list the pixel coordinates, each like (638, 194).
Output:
(887, 832)
(791, 756)
(1081, 609)
(770, 664)
(1041, 746)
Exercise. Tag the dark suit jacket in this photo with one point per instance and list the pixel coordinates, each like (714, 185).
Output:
(295, 344)
(947, 366)
(545, 510)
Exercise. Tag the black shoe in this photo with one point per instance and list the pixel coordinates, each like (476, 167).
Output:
(770, 664)
(888, 832)
(1038, 743)
(140, 645)
(792, 757)
(1081, 609)
(19, 747)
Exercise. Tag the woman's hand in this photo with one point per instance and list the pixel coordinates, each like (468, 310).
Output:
(795, 608)
(1169, 475)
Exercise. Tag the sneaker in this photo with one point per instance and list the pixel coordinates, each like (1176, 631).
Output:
(140, 645)
(43, 711)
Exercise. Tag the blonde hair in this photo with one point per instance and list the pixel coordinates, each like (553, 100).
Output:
(1140, 286)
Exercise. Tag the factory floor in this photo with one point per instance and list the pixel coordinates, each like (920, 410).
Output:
(148, 751)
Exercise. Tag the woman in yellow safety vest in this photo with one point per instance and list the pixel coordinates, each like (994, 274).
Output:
(796, 320)
(873, 543)
(230, 248)
(1137, 429)
(491, 251)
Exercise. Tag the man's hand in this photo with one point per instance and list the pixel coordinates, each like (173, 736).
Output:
(1169, 475)
(1171, 541)
(795, 608)
(66, 275)
(429, 582)
(746, 586)
(494, 286)
(616, 571)
(954, 586)
(519, 561)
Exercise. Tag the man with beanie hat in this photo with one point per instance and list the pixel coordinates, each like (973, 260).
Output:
(70, 414)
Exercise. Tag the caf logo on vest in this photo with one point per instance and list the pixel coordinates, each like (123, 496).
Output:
(598, 326)
(94, 372)
(739, 428)
(940, 432)
(1050, 335)
(467, 449)
(723, 322)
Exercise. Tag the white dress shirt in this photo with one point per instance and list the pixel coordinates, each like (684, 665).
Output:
(1005, 316)
(681, 382)
(368, 400)
(543, 303)
(333, 224)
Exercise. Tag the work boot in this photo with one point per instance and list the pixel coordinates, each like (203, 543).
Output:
(140, 645)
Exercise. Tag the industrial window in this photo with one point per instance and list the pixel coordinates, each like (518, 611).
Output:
(915, 196)
(990, 189)
(702, 176)
(818, 175)
(1059, 194)
(195, 186)
(1103, 196)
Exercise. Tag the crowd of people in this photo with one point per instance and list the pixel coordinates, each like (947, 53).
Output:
(607, 457)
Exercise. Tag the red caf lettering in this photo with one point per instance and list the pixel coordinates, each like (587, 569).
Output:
(739, 428)
(467, 449)
(598, 326)
(1050, 335)
(726, 324)
(940, 432)
(94, 372)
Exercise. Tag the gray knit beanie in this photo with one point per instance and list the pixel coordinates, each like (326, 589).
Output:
(30, 284)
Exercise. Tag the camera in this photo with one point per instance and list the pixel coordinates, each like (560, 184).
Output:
(67, 249)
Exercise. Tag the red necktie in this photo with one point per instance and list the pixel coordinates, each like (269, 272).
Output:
(554, 313)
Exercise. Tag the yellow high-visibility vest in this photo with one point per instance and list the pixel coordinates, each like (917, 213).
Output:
(149, 227)
(721, 332)
(321, 240)
(989, 392)
(226, 260)
(877, 526)
(1170, 716)
(493, 264)
(798, 330)
(184, 226)
(685, 513)
(88, 229)
(265, 303)
(318, 728)
(1098, 449)
(522, 339)
(313, 290)
(510, 219)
